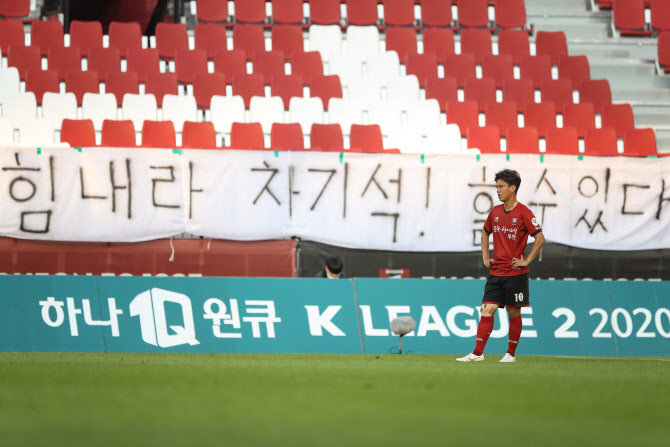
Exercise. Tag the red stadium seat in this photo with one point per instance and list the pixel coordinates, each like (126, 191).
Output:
(250, 11)
(580, 116)
(514, 43)
(143, 61)
(502, 114)
(629, 18)
(286, 87)
(600, 141)
(125, 35)
(249, 38)
(522, 140)
(562, 140)
(210, 37)
(268, 63)
(11, 33)
(64, 59)
(552, 43)
(84, 35)
(520, 91)
(212, 11)
(660, 15)
(362, 12)
(619, 117)
(597, 92)
(482, 91)
(24, 59)
(77, 133)
(206, 85)
(325, 12)
(287, 39)
(287, 12)
(307, 64)
(510, 14)
(169, 38)
(575, 68)
(118, 133)
(402, 41)
(477, 42)
(444, 90)
(189, 63)
(326, 137)
(326, 87)
(436, 13)
(248, 85)
(41, 81)
(541, 116)
(161, 84)
(460, 67)
(158, 134)
(230, 62)
(246, 136)
(536, 68)
(439, 41)
(366, 138)
(486, 139)
(287, 137)
(558, 91)
(498, 67)
(464, 114)
(639, 142)
(664, 51)
(81, 82)
(198, 135)
(120, 83)
(15, 8)
(44, 34)
(104, 60)
(422, 66)
(399, 12)
(473, 13)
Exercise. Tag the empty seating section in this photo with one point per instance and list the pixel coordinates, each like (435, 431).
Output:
(360, 75)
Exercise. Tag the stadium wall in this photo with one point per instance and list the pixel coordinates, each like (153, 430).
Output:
(140, 314)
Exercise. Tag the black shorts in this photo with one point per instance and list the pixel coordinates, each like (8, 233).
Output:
(510, 291)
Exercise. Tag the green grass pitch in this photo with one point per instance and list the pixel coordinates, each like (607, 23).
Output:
(65, 399)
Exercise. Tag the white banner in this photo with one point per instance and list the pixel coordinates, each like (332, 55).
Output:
(370, 201)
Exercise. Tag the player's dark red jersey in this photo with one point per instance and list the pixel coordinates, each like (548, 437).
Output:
(510, 234)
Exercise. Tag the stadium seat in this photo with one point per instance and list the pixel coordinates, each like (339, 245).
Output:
(169, 38)
(43, 34)
(580, 116)
(37, 132)
(287, 12)
(345, 112)
(424, 116)
(286, 87)
(473, 13)
(562, 140)
(82, 82)
(520, 91)
(600, 141)
(486, 139)
(248, 85)
(307, 64)
(535, 68)
(9, 83)
(324, 12)
(84, 35)
(118, 133)
(362, 40)
(189, 63)
(348, 66)
(158, 134)
(465, 114)
(24, 59)
(11, 33)
(660, 15)
(552, 43)
(247, 136)
(447, 139)
(326, 137)
(664, 51)
(210, 37)
(161, 84)
(266, 110)
(619, 117)
(287, 39)
(225, 110)
(460, 67)
(6, 133)
(399, 12)
(249, 38)
(639, 142)
(575, 68)
(402, 41)
(287, 137)
(405, 90)
(325, 39)
(558, 91)
(268, 63)
(482, 91)
(143, 61)
(540, 116)
(510, 14)
(366, 138)
(306, 111)
(388, 115)
(476, 42)
(78, 133)
(362, 12)
(15, 8)
(40, 81)
(515, 43)
(498, 67)
(198, 135)
(629, 19)
(125, 35)
(99, 107)
(326, 87)
(522, 140)
(502, 114)
(384, 66)
(230, 63)
(407, 140)
(179, 109)
(206, 85)
(103, 61)
(597, 92)
(59, 106)
(138, 108)
(119, 83)
(442, 89)
(250, 11)
(63, 59)
(212, 11)
(439, 41)
(422, 66)
(436, 13)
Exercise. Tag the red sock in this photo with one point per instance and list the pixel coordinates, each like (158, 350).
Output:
(514, 334)
(483, 331)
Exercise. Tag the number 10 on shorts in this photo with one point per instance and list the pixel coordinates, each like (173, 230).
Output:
(518, 297)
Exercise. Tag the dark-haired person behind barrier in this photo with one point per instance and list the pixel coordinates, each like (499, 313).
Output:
(332, 269)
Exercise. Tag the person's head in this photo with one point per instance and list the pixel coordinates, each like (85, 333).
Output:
(333, 267)
(507, 184)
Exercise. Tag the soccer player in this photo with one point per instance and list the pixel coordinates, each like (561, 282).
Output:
(507, 283)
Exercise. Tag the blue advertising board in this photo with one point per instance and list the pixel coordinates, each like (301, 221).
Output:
(150, 314)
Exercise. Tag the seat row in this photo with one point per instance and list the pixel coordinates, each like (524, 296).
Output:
(469, 13)
(630, 18)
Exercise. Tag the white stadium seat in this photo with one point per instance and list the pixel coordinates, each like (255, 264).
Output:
(306, 111)
(266, 110)
(9, 82)
(226, 110)
(344, 112)
(177, 108)
(363, 40)
(20, 108)
(138, 108)
(59, 106)
(326, 39)
(99, 107)
(36, 133)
